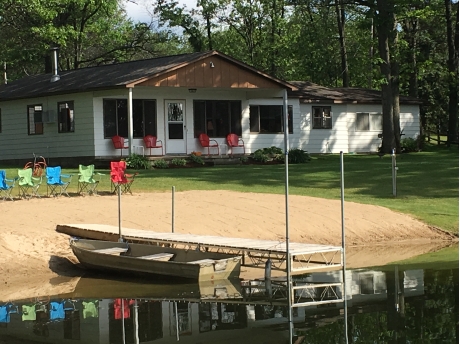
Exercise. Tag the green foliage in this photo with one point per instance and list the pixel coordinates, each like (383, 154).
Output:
(260, 156)
(244, 158)
(298, 156)
(268, 154)
(138, 162)
(161, 163)
(178, 162)
(409, 145)
(196, 159)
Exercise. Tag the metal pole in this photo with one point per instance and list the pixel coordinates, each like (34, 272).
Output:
(288, 255)
(344, 261)
(393, 171)
(177, 322)
(123, 320)
(120, 239)
(136, 322)
(172, 210)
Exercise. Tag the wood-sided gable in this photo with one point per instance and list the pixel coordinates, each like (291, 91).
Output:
(212, 72)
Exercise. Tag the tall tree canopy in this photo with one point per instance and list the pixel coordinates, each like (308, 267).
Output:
(400, 47)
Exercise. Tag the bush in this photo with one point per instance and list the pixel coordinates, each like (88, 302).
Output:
(409, 145)
(161, 163)
(272, 151)
(178, 162)
(260, 156)
(298, 156)
(138, 162)
(196, 159)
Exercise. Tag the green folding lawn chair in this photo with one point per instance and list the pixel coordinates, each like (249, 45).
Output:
(86, 182)
(27, 184)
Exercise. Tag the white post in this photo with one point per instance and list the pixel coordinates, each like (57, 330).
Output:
(130, 120)
(172, 210)
(120, 239)
(344, 261)
(286, 175)
(394, 168)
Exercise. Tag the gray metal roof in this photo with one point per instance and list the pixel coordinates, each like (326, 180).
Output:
(120, 75)
(313, 93)
(93, 78)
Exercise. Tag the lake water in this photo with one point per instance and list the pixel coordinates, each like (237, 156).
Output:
(389, 304)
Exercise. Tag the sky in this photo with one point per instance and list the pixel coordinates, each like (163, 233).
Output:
(139, 11)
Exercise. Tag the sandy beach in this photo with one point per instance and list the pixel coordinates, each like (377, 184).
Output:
(36, 259)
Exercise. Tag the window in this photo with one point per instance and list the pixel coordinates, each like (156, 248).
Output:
(35, 119)
(116, 117)
(217, 118)
(368, 121)
(65, 117)
(322, 117)
(268, 119)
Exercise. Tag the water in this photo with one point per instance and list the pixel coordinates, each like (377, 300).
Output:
(390, 304)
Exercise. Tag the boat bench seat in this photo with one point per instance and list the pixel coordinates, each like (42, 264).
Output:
(112, 250)
(158, 256)
(202, 261)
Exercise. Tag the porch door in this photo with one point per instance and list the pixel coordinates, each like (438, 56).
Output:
(175, 126)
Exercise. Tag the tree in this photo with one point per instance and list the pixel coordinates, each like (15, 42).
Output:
(452, 63)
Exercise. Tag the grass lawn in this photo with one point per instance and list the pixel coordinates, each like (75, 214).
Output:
(427, 182)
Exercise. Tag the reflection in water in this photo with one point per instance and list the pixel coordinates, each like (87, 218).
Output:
(387, 305)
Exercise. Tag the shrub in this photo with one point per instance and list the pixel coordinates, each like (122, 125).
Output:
(138, 162)
(244, 158)
(161, 163)
(178, 162)
(409, 145)
(196, 159)
(298, 156)
(272, 151)
(260, 156)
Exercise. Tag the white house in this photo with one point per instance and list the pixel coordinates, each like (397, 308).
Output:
(72, 115)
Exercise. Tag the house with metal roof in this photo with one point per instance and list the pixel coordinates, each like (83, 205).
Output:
(72, 115)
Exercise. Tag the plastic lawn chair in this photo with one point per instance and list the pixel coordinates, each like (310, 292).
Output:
(6, 186)
(55, 186)
(86, 182)
(27, 184)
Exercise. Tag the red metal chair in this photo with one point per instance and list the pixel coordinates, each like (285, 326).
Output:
(234, 141)
(152, 142)
(205, 142)
(119, 142)
(120, 179)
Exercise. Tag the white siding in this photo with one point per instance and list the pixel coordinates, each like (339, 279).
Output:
(324, 140)
(88, 139)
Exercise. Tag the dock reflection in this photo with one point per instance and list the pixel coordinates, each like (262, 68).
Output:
(108, 311)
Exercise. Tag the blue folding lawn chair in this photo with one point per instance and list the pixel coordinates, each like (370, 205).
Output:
(55, 186)
(6, 186)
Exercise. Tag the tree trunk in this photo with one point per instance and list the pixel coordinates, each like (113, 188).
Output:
(452, 64)
(340, 12)
(385, 21)
(411, 29)
(395, 90)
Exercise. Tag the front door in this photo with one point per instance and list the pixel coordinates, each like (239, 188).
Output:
(175, 126)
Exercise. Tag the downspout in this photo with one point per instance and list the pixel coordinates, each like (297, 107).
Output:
(130, 120)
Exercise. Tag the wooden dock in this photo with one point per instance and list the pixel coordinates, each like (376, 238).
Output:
(304, 257)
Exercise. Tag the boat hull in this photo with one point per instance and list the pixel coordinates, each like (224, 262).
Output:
(184, 264)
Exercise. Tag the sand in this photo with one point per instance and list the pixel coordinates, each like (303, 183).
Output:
(36, 260)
